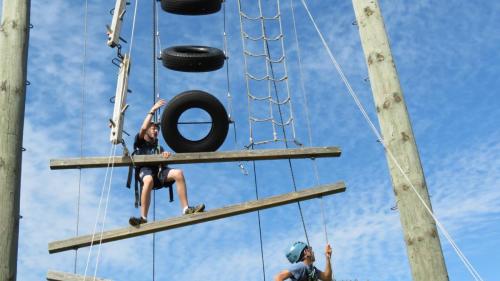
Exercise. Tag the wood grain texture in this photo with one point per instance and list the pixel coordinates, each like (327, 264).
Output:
(233, 210)
(199, 157)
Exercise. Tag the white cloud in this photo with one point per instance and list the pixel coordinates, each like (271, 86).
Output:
(462, 170)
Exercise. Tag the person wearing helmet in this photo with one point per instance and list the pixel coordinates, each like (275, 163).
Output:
(302, 258)
(150, 176)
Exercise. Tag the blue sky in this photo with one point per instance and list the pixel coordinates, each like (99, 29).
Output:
(446, 53)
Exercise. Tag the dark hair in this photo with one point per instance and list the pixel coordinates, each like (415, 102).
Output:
(156, 124)
(301, 257)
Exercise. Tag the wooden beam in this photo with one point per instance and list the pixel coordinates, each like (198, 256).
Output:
(198, 157)
(185, 220)
(63, 276)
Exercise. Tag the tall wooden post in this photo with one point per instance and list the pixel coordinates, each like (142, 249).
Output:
(420, 232)
(14, 35)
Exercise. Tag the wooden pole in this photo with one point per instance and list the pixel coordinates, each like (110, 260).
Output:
(14, 35)
(420, 232)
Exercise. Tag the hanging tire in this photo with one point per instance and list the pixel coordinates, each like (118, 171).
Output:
(191, 7)
(192, 58)
(194, 99)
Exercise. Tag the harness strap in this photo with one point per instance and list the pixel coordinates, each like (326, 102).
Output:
(129, 175)
(168, 185)
(138, 183)
(137, 193)
(171, 193)
(138, 187)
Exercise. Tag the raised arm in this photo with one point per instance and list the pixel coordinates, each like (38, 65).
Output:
(327, 274)
(149, 117)
(285, 274)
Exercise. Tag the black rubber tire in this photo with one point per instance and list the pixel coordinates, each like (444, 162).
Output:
(194, 99)
(191, 7)
(192, 58)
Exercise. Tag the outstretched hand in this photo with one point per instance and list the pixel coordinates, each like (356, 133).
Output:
(166, 154)
(158, 104)
(328, 251)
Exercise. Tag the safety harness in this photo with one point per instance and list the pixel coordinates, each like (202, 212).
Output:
(146, 149)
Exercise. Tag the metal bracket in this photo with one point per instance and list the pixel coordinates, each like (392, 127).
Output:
(117, 61)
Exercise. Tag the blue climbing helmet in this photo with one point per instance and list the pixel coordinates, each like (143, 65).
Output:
(293, 254)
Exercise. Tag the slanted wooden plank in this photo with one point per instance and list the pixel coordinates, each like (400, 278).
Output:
(63, 276)
(198, 157)
(233, 210)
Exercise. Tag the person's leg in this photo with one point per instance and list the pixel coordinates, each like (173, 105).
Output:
(178, 176)
(170, 175)
(146, 177)
(147, 187)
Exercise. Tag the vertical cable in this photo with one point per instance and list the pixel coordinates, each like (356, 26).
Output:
(82, 124)
(259, 221)
(133, 30)
(247, 79)
(267, 59)
(105, 212)
(228, 88)
(269, 62)
(226, 54)
(110, 159)
(251, 145)
(155, 89)
(306, 109)
(154, 54)
(157, 44)
(154, 234)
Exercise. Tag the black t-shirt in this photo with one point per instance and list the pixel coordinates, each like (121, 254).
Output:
(143, 147)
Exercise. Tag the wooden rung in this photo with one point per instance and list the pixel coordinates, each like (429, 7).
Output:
(63, 276)
(247, 207)
(198, 157)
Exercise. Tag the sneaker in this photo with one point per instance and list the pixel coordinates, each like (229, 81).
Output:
(137, 221)
(196, 209)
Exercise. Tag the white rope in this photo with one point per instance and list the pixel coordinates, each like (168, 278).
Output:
(287, 84)
(260, 17)
(308, 119)
(280, 124)
(268, 77)
(133, 30)
(247, 80)
(271, 100)
(99, 208)
(445, 232)
(462, 257)
(262, 37)
(264, 55)
(228, 88)
(105, 212)
(268, 74)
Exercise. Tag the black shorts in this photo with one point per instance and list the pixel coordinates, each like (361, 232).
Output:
(159, 175)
